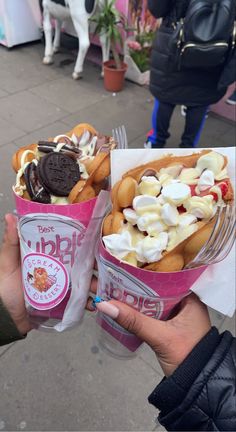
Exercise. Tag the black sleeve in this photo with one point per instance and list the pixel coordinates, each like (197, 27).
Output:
(8, 330)
(159, 8)
(200, 394)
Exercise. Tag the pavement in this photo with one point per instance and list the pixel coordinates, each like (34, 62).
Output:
(66, 382)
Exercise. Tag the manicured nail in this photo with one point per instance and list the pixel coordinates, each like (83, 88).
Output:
(96, 300)
(108, 309)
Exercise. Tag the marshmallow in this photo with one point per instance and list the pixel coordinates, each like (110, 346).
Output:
(165, 179)
(145, 203)
(149, 186)
(144, 221)
(119, 245)
(155, 228)
(150, 249)
(201, 207)
(186, 219)
(213, 161)
(169, 214)
(222, 175)
(173, 170)
(206, 180)
(176, 193)
(135, 234)
(160, 200)
(189, 175)
(130, 215)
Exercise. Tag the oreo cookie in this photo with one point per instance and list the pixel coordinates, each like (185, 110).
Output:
(58, 173)
(50, 146)
(34, 187)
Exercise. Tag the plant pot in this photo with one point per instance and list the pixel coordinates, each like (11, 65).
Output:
(134, 74)
(114, 78)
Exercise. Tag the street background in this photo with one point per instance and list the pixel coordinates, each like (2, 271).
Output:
(65, 382)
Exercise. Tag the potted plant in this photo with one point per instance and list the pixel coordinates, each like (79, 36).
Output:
(108, 23)
(137, 56)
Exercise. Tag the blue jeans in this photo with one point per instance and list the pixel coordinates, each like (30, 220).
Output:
(161, 116)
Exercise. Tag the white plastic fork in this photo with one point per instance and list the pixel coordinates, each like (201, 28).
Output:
(119, 135)
(221, 239)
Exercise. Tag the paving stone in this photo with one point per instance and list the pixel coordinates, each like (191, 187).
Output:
(111, 112)
(76, 388)
(3, 93)
(29, 112)
(7, 180)
(44, 133)
(9, 131)
(27, 74)
(68, 94)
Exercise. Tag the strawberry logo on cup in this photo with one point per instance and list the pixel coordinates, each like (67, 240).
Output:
(46, 281)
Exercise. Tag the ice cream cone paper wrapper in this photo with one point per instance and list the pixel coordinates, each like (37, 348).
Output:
(57, 245)
(153, 293)
(216, 284)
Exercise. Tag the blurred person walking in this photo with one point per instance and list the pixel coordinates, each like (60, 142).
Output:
(195, 87)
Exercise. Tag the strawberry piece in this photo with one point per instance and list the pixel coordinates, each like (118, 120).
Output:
(215, 196)
(224, 188)
(181, 209)
(193, 192)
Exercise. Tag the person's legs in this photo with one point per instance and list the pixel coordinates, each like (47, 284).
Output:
(161, 116)
(195, 120)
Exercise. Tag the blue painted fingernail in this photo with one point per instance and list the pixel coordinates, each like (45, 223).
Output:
(96, 300)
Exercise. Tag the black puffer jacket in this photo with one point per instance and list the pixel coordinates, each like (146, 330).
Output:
(200, 394)
(193, 87)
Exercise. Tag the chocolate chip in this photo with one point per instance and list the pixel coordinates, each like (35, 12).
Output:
(58, 173)
(34, 187)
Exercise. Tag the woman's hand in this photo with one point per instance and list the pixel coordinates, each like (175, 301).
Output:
(171, 340)
(11, 291)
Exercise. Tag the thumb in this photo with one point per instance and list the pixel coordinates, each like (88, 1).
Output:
(144, 327)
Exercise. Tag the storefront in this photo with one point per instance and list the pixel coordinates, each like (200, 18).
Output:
(20, 22)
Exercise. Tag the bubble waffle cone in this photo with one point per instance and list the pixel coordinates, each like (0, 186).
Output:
(56, 191)
(67, 169)
(155, 229)
(144, 204)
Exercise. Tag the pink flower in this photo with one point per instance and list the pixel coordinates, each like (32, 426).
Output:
(134, 45)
